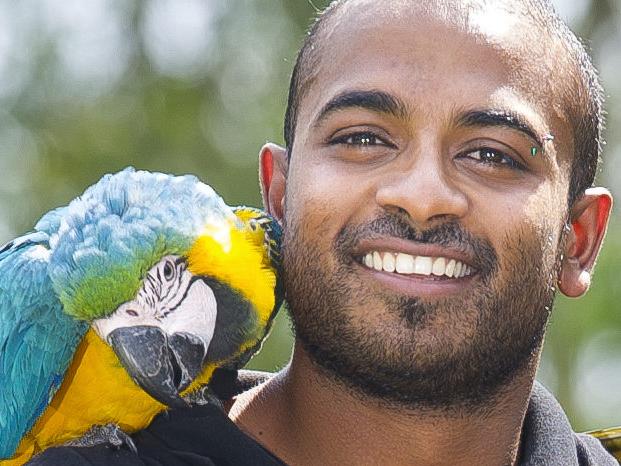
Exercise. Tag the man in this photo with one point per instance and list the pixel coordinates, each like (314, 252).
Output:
(434, 192)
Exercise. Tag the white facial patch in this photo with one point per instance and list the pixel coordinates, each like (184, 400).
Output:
(195, 315)
(172, 300)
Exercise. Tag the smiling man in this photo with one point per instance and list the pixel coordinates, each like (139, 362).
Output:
(435, 192)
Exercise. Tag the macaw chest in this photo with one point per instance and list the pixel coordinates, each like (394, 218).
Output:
(96, 390)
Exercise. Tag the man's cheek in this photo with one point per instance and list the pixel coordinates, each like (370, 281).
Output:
(316, 209)
(531, 247)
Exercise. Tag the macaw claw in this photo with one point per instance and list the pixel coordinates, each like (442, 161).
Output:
(110, 434)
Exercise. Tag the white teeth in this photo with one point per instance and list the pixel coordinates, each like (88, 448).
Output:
(457, 271)
(439, 266)
(421, 265)
(377, 261)
(405, 263)
(450, 268)
(389, 262)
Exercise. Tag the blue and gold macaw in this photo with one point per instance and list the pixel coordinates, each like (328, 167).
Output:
(124, 302)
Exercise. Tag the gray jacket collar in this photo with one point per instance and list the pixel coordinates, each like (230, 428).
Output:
(549, 440)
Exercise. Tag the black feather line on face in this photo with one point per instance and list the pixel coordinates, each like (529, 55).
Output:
(236, 321)
(157, 291)
(185, 294)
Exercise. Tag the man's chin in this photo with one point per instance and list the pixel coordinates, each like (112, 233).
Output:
(439, 388)
(439, 354)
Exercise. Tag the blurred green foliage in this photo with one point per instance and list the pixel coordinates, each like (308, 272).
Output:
(193, 86)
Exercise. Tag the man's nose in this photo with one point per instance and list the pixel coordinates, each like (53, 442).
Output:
(423, 188)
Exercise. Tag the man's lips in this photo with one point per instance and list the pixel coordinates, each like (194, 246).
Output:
(413, 268)
(391, 250)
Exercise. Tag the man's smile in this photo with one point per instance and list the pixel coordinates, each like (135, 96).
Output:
(408, 264)
(416, 269)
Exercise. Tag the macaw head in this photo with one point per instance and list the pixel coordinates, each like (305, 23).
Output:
(167, 274)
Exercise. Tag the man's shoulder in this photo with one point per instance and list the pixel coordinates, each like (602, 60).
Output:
(591, 451)
(204, 435)
(201, 435)
(548, 438)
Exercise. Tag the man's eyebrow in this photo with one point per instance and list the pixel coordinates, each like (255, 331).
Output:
(502, 118)
(373, 100)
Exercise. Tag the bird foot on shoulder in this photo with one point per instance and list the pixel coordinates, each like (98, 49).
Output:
(110, 434)
(204, 396)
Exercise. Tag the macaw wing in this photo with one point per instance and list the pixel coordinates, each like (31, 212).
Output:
(37, 340)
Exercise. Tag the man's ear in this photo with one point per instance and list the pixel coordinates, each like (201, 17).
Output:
(589, 220)
(273, 165)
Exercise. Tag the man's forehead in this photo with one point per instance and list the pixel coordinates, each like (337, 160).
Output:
(502, 28)
(364, 28)
(507, 24)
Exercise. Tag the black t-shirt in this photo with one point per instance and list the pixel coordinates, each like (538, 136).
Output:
(201, 435)
(204, 435)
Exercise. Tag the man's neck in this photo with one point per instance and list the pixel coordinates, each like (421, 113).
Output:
(305, 417)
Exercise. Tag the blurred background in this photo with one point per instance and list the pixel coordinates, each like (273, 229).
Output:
(197, 86)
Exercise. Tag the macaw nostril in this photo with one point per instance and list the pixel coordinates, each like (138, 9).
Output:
(131, 312)
(177, 371)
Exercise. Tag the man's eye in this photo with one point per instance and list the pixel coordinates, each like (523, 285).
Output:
(364, 139)
(494, 157)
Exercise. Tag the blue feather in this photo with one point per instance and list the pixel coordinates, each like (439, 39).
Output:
(29, 311)
(126, 223)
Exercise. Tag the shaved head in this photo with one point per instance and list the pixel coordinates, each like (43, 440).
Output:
(547, 59)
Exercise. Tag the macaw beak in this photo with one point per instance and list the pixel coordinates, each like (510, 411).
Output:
(162, 365)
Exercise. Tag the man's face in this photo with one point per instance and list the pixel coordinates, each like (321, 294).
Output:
(424, 209)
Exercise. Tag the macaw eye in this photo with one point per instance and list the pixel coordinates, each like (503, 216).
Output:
(169, 270)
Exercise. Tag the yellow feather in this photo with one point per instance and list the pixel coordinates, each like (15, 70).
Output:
(96, 390)
(240, 260)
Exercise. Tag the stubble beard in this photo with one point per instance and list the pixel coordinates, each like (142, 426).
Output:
(480, 341)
